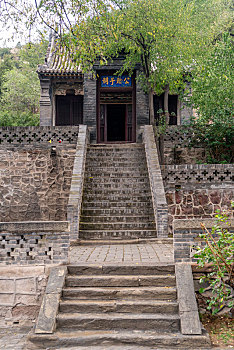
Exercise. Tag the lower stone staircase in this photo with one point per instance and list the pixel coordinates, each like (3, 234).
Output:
(117, 199)
(119, 307)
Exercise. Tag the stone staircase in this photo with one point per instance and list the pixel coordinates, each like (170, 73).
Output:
(117, 200)
(119, 307)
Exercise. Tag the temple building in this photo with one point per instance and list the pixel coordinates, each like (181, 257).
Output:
(113, 107)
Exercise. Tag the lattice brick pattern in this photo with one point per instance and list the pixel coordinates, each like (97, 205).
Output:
(33, 248)
(179, 135)
(41, 135)
(198, 173)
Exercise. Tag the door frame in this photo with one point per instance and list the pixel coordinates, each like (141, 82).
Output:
(100, 89)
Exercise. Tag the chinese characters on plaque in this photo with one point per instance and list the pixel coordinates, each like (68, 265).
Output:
(113, 81)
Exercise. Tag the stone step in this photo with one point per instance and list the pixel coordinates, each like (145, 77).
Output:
(125, 173)
(122, 269)
(116, 186)
(131, 293)
(163, 323)
(139, 162)
(137, 181)
(120, 340)
(119, 219)
(116, 191)
(138, 241)
(108, 154)
(114, 226)
(125, 211)
(114, 145)
(113, 165)
(103, 306)
(115, 197)
(120, 281)
(114, 150)
(116, 234)
(117, 204)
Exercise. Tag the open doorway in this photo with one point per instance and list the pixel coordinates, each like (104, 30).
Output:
(116, 122)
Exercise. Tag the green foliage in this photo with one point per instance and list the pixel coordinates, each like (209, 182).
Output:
(218, 251)
(21, 91)
(163, 36)
(212, 97)
(6, 64)
(212, 83)
(216, 137)
(19, 85)
(21, 119)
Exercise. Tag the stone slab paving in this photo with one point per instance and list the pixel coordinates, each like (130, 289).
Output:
(122, 253)
(13, 338)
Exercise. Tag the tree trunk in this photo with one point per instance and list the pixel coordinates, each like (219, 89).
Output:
(151, 106)
(166, 107)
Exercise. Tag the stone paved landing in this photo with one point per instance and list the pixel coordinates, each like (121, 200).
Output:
(122, 253)
(13, 338)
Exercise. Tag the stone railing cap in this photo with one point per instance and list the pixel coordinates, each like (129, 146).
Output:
(35, 226)
(196, 223)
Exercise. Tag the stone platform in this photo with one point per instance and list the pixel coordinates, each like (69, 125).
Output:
(136, 253)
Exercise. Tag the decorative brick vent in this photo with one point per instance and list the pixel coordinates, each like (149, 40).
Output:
(197, 173)
(180, 136)
(37, 136)
(27, 243)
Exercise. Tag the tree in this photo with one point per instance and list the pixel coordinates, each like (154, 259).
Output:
(20, 88)
(165, 36)
(211, 81)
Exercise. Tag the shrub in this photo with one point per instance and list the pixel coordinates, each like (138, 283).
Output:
(218, 251)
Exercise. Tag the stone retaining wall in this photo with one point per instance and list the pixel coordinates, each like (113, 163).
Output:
(35, 182)
(197, 191)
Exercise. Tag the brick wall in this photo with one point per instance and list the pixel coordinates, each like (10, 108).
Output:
(197, 191)
(186, 237)
(89, 108)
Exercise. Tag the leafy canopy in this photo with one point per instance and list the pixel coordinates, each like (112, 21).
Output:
(20, 87)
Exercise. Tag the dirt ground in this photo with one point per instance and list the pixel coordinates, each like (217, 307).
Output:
(221, 330)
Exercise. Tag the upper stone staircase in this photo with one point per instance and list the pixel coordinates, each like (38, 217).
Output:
(117, 200)
(118, 306)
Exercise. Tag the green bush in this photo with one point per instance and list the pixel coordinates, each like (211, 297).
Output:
(218, 251)
(217, 137)
(22, 119)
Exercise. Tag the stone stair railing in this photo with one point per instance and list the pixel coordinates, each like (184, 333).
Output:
(76, 190)
(156, 182)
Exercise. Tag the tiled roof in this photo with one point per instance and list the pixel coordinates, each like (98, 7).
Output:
(58, 61)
